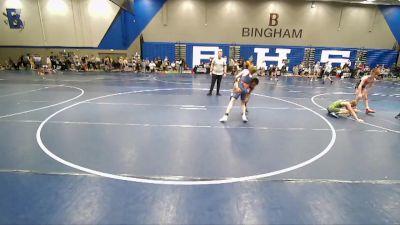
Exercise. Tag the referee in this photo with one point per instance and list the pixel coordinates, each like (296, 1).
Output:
(217, 70)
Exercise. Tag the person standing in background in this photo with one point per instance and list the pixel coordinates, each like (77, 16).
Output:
(316, 72)
(48, 62)
(217, 70)
(327, 72)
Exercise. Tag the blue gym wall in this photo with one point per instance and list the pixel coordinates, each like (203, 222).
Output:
(127, 27)
(152, 50)
(374, 56)
(392, 17)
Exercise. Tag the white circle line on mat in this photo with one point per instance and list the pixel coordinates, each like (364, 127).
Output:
(48, 106)
(182, 182)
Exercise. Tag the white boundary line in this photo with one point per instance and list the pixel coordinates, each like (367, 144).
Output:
(344, 93)
(181, 182)
(49, 106)
(186, 106)
(166, 125)
(24, 92)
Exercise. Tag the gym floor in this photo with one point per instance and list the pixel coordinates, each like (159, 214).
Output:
(102, 148)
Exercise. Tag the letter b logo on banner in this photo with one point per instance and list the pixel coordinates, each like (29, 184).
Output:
(14, 18)
(273, 19)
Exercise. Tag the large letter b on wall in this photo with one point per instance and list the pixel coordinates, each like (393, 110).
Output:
(273, 19)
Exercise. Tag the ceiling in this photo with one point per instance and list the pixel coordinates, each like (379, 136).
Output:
(373, 2)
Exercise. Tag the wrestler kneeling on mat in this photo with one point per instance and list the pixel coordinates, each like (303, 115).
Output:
(242, 88)
(344, 108)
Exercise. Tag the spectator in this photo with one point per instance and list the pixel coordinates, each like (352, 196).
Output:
(84, 63)
(152, 67)
(53, 60)
(97, 63)
(92, 63)
(32, 62)
(48, 62)
(147, 68)
(38, 61)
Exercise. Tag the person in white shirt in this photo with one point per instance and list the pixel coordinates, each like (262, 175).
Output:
(179, 65)
(327, 72)
(48, 62)
(173, 66)
(217, 70)
(152, 67)
(316, 72)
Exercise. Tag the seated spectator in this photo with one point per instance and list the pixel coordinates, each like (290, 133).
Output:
(147, 68)
(63, 65)
(159, 65)
(115, 63)
(143, 66)
(138, 67)
(125, 64)
(84, 63)
(283, 70)
(97, 63)
(152, 67)
(10, 64)
(120, 63)
(20, 61)
(48, 62)
(295, 70)
(37, 61)
(32, 62)
(107, 64)
(68, 63)
(173, 66)
(53, 60)
(92, 63)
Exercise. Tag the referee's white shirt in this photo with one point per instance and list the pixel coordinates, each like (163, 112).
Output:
(219, 64)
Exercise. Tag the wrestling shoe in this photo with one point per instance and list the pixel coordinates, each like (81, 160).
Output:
(244, 118)
(224, 119)
(334, 115)
(367, 111)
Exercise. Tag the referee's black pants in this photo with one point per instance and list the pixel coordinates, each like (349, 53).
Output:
(215, 78)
